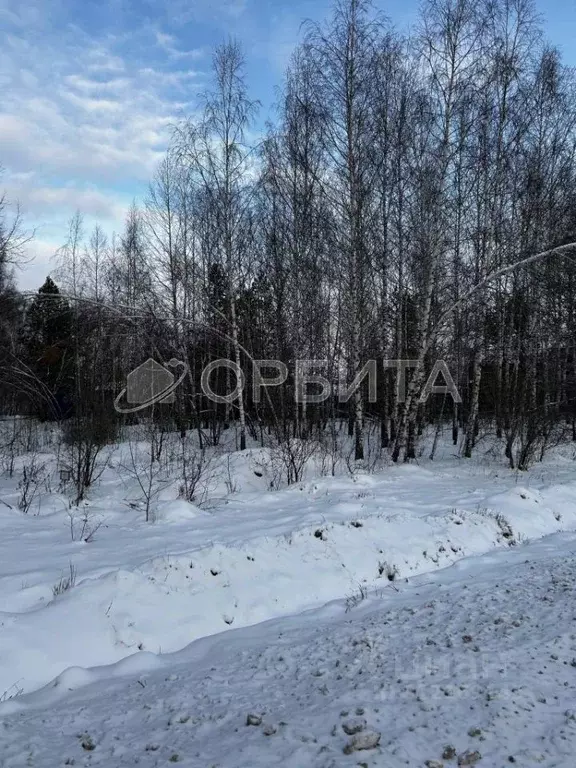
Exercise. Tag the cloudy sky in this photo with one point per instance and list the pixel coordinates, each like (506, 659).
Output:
(90, 89)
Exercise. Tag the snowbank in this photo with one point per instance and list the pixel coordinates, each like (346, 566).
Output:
(259, 555)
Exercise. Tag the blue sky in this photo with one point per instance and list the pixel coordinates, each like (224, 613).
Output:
(90, 89)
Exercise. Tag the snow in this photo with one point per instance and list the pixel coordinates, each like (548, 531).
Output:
(478, 656)
(437, 598)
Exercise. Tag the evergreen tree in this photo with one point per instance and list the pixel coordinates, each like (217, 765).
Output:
(48, 339)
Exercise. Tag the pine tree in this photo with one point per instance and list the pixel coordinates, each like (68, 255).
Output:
(48, 339)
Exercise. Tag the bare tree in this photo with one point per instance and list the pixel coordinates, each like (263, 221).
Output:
(219, 162)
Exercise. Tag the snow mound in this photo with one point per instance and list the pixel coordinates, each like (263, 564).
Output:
(177, 511)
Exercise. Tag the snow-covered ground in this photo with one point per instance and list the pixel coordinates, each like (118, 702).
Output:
(438, 598)
(479, 657)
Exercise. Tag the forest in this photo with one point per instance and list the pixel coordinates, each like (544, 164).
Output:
(414, 199)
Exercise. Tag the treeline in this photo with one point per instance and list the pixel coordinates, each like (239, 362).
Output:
(379, 217)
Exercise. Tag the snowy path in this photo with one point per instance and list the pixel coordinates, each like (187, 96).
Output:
(479, 656)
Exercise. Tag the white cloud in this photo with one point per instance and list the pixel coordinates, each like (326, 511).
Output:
(31, 275)
(86, 85)
(85, 118)
(164, 40)
(39, 201)
(170, 45)
(91, 104)
(180, 80)
(101, 60)
(183, 11)
(52, 116)
(83, 121)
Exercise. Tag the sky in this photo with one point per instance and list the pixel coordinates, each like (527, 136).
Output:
(90, 89)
